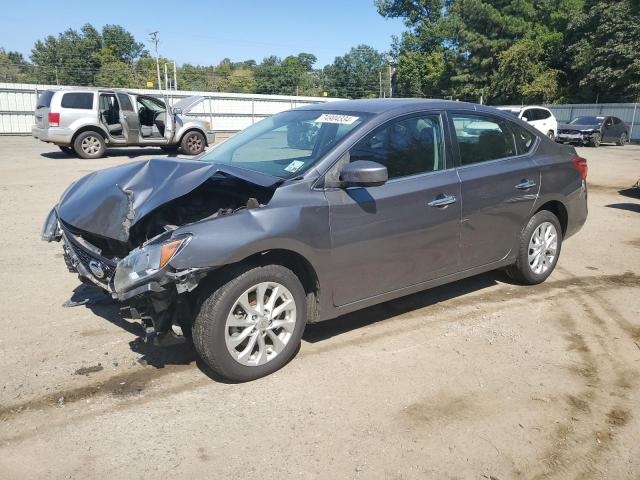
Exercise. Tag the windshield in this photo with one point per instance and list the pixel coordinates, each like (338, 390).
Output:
(286, 144)
(587, 121)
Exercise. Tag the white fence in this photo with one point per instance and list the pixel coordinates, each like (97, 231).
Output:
(228, 112)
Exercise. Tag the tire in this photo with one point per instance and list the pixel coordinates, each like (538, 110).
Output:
(528, 271)
(623, 140)
(596, 141)
(172, 149)
(215, 340)
(89, 145)
(551, 135)
(67, 150)
(193, 143)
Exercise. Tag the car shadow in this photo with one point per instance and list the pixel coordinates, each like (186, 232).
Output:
(631, 207)
(633, 192)
(115, 153)
(101, 304)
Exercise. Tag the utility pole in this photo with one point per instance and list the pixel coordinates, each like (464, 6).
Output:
(380, 81)
(155, 40)
(166, 78)
(175, 77)
(389, 58)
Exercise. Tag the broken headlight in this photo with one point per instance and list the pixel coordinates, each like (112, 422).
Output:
(145, 261)
(51, 228)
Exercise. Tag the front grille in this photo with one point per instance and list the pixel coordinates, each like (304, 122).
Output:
(572, 132)
(85, 257)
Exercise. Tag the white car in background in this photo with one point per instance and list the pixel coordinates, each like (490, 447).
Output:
(540, 117)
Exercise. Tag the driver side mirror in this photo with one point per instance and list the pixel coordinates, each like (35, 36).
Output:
(525, 119)
(364, 173)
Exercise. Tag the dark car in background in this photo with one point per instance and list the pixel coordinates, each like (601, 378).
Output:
(318, 212)
(593, 130)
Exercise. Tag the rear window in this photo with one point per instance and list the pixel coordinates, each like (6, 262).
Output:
(525, 140)
(44, 100)
(82, 101)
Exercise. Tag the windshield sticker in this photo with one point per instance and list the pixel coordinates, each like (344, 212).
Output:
(294, 166)
(339, 119)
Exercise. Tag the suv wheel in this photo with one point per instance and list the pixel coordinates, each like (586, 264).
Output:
(252, 325)
(540, 244)
(89, 144)
(623, 139)
(193, 143)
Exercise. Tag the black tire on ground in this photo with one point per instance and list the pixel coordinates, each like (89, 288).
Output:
(193, 143)
(623, 140)
(89, 145)
(521, 271)
(596, 140)
(210, 323)
(67, 150)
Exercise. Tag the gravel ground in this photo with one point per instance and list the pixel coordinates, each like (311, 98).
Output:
(479, 379)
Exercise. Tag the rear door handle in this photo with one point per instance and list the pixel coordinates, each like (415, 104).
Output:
(525, 184)
(442, 201)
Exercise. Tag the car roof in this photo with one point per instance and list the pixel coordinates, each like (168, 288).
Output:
(380, 105)
(519, 107)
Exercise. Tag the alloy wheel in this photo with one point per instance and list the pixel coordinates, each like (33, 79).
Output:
(543, 248)
(194, 143)
(90, 145)
(260, 324)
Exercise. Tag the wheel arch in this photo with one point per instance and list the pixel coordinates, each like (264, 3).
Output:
(89, 128)
(559, 210)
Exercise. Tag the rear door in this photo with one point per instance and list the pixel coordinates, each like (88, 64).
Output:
(406, 231)
(128, 118)
(43, 107)
(500, 184)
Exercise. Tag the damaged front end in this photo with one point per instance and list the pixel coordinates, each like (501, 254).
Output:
(126, 245)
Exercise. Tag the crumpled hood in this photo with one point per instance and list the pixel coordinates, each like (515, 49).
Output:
(570, 126)
(110, 201)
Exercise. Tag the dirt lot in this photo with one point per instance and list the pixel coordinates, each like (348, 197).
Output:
(478, 379)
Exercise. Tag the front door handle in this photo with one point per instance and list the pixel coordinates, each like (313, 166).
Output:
(442, 200)
(525, 184)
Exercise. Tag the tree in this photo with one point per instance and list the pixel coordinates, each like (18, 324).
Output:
(290, 76)
(420, 74)
(605, 48)
(356, 74)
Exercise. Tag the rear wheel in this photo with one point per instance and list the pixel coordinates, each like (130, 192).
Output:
(252, 325)
(193, 143)
(89, 144)
(540, 244)
(623, 140)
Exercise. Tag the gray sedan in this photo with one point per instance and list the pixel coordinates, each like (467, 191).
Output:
(317, 212)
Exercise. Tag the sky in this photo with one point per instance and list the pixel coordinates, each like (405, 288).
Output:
(204, 32)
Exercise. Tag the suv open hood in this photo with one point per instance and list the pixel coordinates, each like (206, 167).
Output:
(186, 104)
(110, 201)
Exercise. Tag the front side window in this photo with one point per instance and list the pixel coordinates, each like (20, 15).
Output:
(481, 138)
(530, 115)
(408, 146)
(82, 101)
(616, 121)
(288, 143)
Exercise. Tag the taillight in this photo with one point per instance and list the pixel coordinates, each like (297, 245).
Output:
(581, 165)
(54, 119)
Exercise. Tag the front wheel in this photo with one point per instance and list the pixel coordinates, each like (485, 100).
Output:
(540, 244)
(252, 325)
(623, 140)
(193, 143)
(596, 140)
(551, 135)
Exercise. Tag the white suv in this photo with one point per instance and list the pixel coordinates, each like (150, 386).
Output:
(539, 117)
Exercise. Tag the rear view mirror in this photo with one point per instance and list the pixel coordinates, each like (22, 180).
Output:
(364, 173)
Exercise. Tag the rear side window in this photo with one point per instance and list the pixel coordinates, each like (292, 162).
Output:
(83, 101)
(481, 138)
(525, 140)
(44, 100)
(407, 146)
(542, 114)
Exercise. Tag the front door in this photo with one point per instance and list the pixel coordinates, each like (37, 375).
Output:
(499, 185)
(406, 231)
(128, 119)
